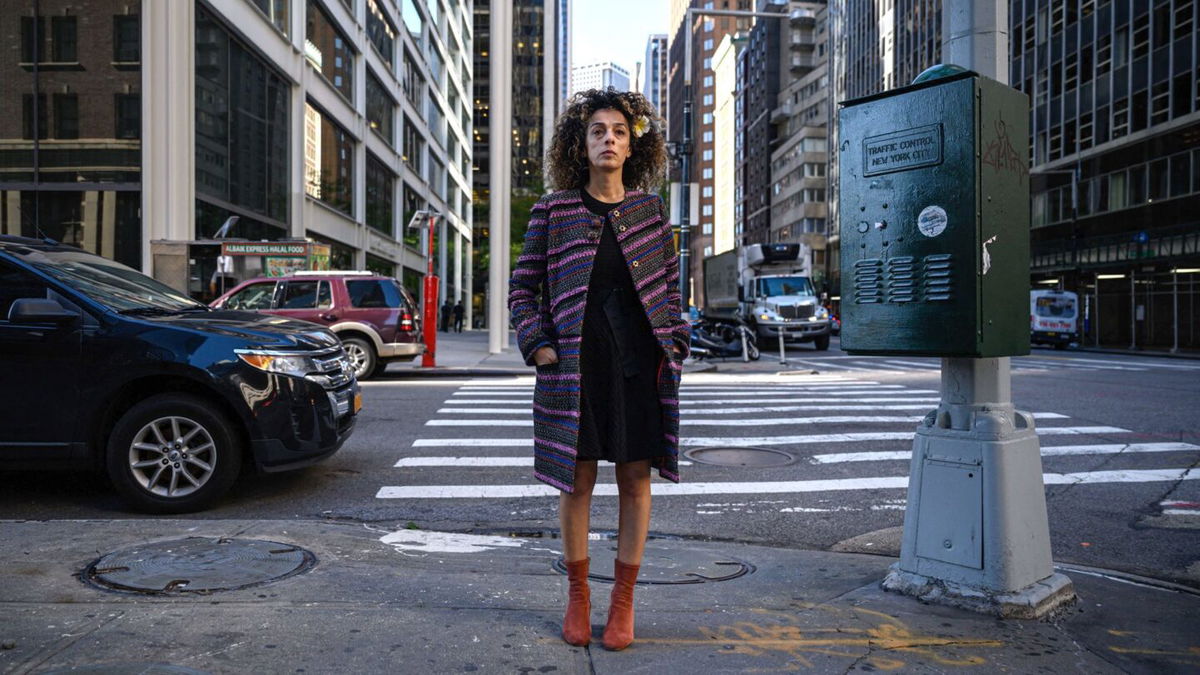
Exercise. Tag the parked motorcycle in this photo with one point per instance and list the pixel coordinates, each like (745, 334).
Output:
(723, 339)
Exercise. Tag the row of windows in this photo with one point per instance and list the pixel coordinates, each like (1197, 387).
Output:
(1164, 178)
(63, 45)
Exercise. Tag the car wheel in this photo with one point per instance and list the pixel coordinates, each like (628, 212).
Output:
(173, 453)
(362, 357)
(821, 342)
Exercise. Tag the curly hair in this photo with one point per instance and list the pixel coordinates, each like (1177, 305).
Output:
(567, 159)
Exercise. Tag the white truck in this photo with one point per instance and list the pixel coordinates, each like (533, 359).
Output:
(768, 286)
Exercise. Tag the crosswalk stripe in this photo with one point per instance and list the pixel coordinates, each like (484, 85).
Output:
(854, 437)
(750, 441)
(916, 364)
(764, 487)
(1051, 451)
(898, 398)
(1143, 364)
(526, 460)
(745, 411)
(767, 422)
(825, 363)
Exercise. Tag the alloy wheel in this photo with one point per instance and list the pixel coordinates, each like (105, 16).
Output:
(172, 456)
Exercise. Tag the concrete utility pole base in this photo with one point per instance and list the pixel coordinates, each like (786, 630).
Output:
(1034, 601)
(976, 534)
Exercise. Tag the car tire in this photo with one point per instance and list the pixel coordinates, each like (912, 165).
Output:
(821, 342)
(362, 357)
(159, 474)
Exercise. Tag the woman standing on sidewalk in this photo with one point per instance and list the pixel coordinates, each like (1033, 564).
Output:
(595, 303)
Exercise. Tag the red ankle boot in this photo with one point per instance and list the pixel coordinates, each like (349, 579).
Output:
(577, 624)
(618, 633)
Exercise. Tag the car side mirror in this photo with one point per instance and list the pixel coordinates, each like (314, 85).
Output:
(40, 310)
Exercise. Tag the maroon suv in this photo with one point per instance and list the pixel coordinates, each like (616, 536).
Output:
(375, 317)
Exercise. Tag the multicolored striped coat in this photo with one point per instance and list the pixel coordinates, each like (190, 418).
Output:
(547, 294)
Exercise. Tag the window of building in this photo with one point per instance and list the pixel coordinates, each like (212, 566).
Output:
(707, 119)
(381, 109)
(276, 12)
(708, 80)
(706, 229)
(33, 39)
(706, 210)
(707, 173)
(329, 51)
(708, 137)
(411, 82)
(29, 114)
(708, 45)
(381, 32)
(707, 155)
(412, 20)
(1180, 169)
(66, 116)
(63, 45)
(1117, 194)
(380, 188)
(708, 64)
(706, 191)
(412, 204)
(414, 146)
(328, 161)
(243, 122)
(708, 251)
(128, 108)
(127, 38)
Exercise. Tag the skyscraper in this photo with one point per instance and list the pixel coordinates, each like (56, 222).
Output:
(654, 72)
(599, 76)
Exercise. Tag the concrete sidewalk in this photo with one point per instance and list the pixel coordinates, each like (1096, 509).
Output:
(382, 599)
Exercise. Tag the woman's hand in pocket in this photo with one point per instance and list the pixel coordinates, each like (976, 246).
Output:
(545, 356)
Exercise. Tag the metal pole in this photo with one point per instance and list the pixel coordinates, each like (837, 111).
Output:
(1132, 310)
(1097, 310)
(782, 352)
(499, 166)
(1175, 308)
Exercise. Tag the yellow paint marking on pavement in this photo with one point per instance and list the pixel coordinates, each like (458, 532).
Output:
(779, 633)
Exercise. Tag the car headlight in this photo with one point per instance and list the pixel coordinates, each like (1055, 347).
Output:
(283, 363)
(822, 313)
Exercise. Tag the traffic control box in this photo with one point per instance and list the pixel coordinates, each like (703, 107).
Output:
(934, 220)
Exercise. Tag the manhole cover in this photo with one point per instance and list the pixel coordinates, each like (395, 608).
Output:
(739, 456)
(660, 565)
(198, 565)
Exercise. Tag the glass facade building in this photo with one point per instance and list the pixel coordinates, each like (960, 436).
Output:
(231, 124)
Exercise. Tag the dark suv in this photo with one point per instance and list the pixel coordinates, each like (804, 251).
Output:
(103, 366)
(375, 317)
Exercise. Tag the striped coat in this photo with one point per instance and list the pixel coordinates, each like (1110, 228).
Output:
(546, 297)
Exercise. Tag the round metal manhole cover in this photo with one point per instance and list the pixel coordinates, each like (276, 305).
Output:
(661, 566)
(198, 565)
(735, 456)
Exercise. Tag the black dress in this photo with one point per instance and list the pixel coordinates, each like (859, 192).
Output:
(620, 414)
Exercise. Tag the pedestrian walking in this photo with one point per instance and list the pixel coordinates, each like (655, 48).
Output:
(595, 301)
(458, 316)
(447, 308)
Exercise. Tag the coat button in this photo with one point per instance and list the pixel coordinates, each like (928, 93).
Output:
(616, 213)
(594, 234)
(635, 263)
(621, 228)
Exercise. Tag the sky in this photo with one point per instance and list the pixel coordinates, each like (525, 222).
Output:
(615, 30)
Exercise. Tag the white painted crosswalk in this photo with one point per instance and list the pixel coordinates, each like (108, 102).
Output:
(1032, 363)
(485, 428)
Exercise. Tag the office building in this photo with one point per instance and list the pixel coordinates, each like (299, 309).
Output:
(599, 76)
(727, 142)
(799, 156)
(705, 33)
(654, 73)
(137, 128)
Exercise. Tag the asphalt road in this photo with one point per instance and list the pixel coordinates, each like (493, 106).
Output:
(1118, 433)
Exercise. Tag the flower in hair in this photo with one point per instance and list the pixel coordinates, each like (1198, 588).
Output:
(640, 125)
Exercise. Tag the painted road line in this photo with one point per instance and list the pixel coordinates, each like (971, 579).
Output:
(1175, 507)
(476, 462)
(763, 422)
(899, 398)
(924, 365)
(764, 487)
(858, 436)
(823, 363)
(710, 411)
(1050, 451)
(702, 441)
(1126, 362)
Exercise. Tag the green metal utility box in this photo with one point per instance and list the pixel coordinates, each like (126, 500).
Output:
(934, 220)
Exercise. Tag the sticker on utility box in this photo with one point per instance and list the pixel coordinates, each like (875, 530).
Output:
(932, 221)
(902, 150)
